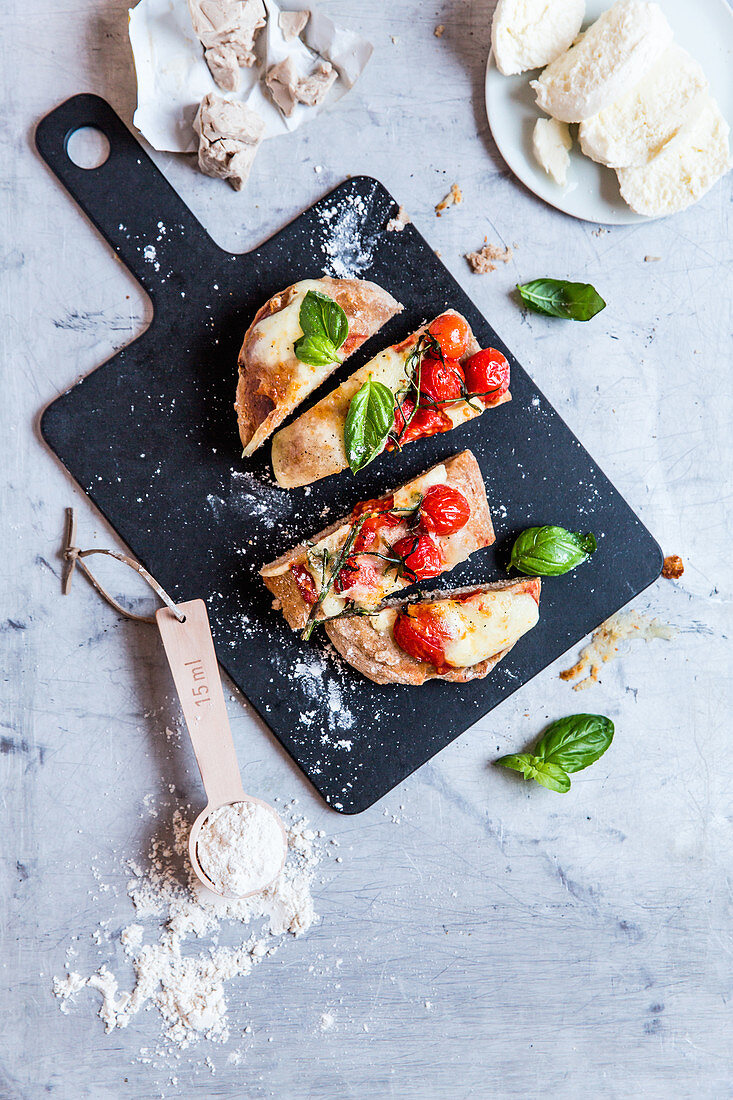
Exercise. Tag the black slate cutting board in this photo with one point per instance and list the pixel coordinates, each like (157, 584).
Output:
(151, 436)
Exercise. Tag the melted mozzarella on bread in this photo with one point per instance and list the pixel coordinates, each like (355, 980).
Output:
(410, 495)
(452, 548)
(274, 336)
(484, 625)
(272, 341)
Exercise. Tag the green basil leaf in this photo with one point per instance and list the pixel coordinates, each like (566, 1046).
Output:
(321, 316)
(546, 773)
(522, 762)
(559, 298)
(574, 742)
(550, 551)
(317, 351)
(551, 776)
(587, 542)
(368, 423)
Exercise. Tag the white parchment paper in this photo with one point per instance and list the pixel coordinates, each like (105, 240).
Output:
(173, 77)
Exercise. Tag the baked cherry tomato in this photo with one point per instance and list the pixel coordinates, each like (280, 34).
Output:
(365, 506)
(382, 509)
(441, 381)
(420, 635)
(379, 514)
(368, 535)
(427, 421)
(487, 375)
(356, 571)
(402, 414)
(452, 334)
(306, 584)
(444, 510)
(420, 556)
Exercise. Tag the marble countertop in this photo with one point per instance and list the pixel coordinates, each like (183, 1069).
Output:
(480, 937)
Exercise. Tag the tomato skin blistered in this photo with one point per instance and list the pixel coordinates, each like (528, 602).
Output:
(444, 510)
(487, 375)
(306, 584)
(355, 572)
(419, 634)
(452, 334)
(421, 558)
(425, 422)
(441, 381)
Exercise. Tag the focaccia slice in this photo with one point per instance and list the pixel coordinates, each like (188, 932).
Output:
(312, 447)
(369, 573)
(459, 635)
(272, 380)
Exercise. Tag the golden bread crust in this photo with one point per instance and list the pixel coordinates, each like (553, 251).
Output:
(263, 399)
(462, 472)
(312, 447)
(380, 659)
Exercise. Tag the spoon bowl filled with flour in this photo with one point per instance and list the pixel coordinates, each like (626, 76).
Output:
(238, 849)
(238, 843)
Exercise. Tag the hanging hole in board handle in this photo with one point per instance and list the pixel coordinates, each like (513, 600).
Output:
(87, 147)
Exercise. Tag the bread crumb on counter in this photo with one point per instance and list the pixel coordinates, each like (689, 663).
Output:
(651, 259)
(453, 198)
(399, 221)
(439, 31)
(673, 567)
(487, 257)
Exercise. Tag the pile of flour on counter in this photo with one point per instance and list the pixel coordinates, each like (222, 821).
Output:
(187, 984)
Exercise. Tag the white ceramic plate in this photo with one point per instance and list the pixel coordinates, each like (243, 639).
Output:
(703, 27)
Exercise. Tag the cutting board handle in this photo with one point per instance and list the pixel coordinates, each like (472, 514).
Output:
(127, 198)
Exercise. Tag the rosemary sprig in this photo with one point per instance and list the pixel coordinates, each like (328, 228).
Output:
(327, 583)
(428, 346)
(328, 576)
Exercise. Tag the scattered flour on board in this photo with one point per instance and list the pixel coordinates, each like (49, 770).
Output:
(186, 984)
(345, 243)
(310, 673)
(252, 497)
(150, 255)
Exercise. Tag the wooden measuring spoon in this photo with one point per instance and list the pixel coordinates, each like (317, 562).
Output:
(189, 648)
